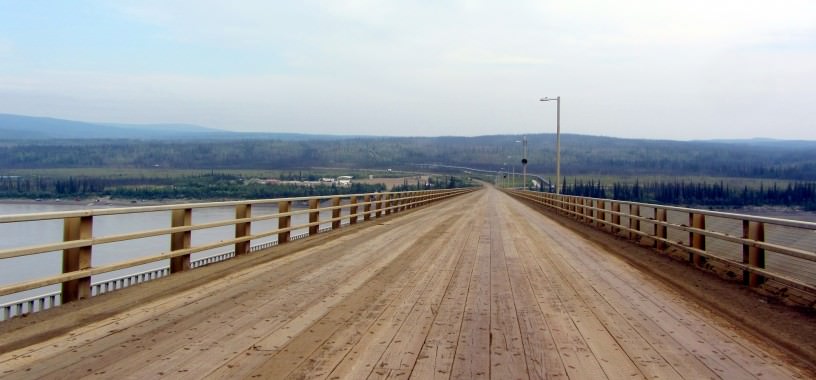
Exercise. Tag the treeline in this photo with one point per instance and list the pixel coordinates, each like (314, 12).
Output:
(209, 186)
(435, 182)
(581, 155)
(800, 194)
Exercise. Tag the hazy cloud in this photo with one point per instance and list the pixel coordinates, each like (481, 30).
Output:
(667, 69)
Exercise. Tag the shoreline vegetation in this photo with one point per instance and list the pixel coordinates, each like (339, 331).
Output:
(792, 195)
(127, 190)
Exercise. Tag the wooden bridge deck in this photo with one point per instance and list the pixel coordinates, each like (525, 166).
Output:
(479, 287)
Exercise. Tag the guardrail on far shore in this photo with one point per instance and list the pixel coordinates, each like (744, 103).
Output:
(79, 239)
(759, 250)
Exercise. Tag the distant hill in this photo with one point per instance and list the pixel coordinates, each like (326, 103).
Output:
(36, 142)
(20, 127)
(581, 155)
(175, 128)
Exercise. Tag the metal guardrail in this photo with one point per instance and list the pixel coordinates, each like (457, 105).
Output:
(79, 240)
(763, 249)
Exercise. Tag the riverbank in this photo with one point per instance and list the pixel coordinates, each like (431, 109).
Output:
(781, 212)
(95, 202)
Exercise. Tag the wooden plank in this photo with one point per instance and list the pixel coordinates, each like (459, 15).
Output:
(436, 357)
(507, 355)
(578, 360)
(473, 349)
(541, 352)
(693, 335)
(259, 350)
(361, 361)
(404, 349)
(648, 361)
(420, 297)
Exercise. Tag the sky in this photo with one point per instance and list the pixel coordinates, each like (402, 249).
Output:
(638, 69)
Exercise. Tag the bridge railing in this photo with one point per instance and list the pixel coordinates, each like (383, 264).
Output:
(776, 253)
(79, 239)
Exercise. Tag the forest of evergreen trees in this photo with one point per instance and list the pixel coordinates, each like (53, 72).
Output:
(209, 186)
(581, 155)
(204, 186)
(797, 194)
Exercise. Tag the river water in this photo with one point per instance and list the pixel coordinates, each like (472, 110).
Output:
(27, 268)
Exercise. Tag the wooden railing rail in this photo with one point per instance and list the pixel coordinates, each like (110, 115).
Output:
(79, 241)
(763, 248)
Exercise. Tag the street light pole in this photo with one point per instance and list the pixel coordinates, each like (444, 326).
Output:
(524, 161)
(557, 142)
(523, 141)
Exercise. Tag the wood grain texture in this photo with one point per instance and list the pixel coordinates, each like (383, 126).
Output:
(479, 286)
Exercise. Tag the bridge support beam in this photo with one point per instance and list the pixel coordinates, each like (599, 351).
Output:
(180, 240)
(242, 229)
(75, 259)
(752, 255)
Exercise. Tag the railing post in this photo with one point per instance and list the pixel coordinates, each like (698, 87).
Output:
(600, 213)
(660, 231)
(634, 224)
(378, 205)
(387, 203)
(314, 216)
(242, 229)
(74, 259)
(615, 217)
(353, 210)
(367, 207)
(181, 240)
(697, 240)
(752, 255)
(580, 209)
(336, 213)
(284, 221)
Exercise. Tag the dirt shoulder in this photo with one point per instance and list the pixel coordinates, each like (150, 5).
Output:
(790, 329)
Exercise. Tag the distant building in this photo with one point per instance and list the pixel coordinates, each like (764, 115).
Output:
(344, 180)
